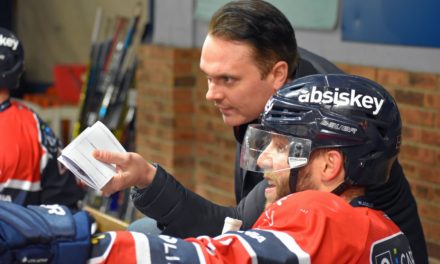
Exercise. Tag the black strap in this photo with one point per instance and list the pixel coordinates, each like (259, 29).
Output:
(5, 104)
(360, 201)
(341, 188)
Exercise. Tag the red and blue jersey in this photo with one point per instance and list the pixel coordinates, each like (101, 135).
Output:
(305, 227)
(29, 170)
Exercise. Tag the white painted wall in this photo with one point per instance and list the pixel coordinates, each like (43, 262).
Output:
(173, 23)
(325, 43)
(330, 46)
(57, 32)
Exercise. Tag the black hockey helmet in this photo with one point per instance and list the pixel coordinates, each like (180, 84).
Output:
(11, 59)
(351, 113)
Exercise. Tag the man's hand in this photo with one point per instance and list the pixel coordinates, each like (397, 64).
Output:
(132, 170)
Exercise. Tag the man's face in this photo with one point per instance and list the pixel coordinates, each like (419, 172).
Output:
(275, 156)
(234, 81)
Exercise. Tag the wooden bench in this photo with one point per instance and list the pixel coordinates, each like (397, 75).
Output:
(106, 222)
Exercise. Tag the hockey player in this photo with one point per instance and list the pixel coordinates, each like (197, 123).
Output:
(323, 139)
(249, 52)
(29, 171)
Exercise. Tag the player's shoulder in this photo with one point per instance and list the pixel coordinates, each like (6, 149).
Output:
(27, 112)
(314, 197)
(319, 202)
(21, 106)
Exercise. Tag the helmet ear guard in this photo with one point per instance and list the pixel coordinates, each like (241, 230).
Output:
(11, 60)
(351, 113)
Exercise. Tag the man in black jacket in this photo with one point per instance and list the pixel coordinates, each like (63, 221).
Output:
(250, 52)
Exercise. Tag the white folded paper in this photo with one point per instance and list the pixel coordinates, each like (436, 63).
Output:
(77, 156)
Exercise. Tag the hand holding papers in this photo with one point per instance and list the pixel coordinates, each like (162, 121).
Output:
(77, 156)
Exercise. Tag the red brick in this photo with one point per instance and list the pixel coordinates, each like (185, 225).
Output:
(224, 184)
(364, 71)
(184, 149)
(202, 150)
(186, 54)
(183, 107)
(427, 81)
(151, 131)
(426, 192)
(185, 121)
(430, 136)
(432, 101)
(420, 153)
(409, 97)
(147, 117)
(431, 230)
(417, 135)
(200, 95)
(222, 198)
(158, 145)
(410, 169)
(167, 121)
(343, 66)
(429, 210)
(411, 134)
(185, 136)
(160, 51)
(164, 79)
(437, 120)
(392, 77)
(148, 91)
(183, 161)
(183, 95)
(417, 116)
(438, 82)
(163, 159)
(433, 252)
(184, 81)
(205, 138)
(222, 170)
(157, 66)
(183, 68)
(205, 109)
(421, 190)
(430, 174)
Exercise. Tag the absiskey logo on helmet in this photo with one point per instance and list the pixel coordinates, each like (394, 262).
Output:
(8, 42)
(341, 99)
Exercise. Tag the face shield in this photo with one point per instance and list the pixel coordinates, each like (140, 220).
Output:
(267, 151)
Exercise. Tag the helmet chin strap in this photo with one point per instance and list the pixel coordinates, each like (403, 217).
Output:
(293, 179)
(342, 187)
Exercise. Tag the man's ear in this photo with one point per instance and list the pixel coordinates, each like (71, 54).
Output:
(279, 72)
(334, 167)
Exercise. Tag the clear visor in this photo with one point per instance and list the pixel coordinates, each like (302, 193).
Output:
(266, 151)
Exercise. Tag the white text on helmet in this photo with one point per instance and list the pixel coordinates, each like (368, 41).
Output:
(8, 42)
(337, 126)
(342, 99)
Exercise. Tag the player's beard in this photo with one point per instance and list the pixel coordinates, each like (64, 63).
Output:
(281, 184)
(304, 182)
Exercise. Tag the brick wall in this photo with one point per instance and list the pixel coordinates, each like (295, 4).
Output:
(179, 129)
(165, 81)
